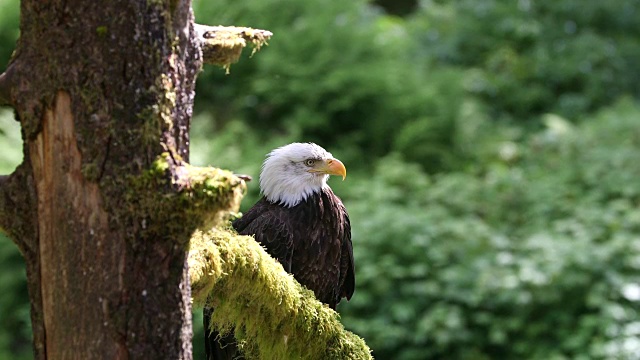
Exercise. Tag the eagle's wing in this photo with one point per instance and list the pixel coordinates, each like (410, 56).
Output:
(347, 268)
(270, 226)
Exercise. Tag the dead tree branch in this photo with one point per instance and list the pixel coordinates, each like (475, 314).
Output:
(222, 45)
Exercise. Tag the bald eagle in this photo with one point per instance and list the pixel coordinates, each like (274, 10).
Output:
(302, 224)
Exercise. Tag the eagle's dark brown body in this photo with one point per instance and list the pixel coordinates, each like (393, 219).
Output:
(311, 240)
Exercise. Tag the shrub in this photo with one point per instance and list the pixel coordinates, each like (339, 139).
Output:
(338, 73)
(535, 258)
(530, 57)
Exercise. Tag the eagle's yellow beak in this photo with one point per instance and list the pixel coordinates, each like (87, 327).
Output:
(333, 167)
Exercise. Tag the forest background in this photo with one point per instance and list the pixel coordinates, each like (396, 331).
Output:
(493, 152)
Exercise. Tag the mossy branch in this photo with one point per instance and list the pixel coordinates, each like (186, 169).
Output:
(222, 45)
(179, 197)
(272, 315)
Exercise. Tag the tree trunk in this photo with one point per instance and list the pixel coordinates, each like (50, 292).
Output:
(101, 90)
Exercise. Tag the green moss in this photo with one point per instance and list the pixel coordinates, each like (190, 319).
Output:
(160, 165)
(182, 197)
(272, 315)
(158, 117)
(222, 45)
(102, 31)
(168, 100)
(90, 171)
(150, 128)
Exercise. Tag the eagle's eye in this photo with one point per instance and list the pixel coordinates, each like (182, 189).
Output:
(310, 162)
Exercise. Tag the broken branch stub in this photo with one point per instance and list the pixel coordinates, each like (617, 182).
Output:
(222, 45)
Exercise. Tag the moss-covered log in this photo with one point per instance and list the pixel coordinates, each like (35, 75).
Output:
(272, 315)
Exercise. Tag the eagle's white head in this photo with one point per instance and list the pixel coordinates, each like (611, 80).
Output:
(293, 172)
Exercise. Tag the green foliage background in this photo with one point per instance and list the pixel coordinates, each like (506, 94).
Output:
(492, 148)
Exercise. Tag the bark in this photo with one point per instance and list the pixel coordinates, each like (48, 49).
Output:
(101, 90)
(6, 83)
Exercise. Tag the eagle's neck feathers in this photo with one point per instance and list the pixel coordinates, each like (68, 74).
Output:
(291, 191)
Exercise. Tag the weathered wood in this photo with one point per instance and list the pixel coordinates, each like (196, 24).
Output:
(78, 253)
